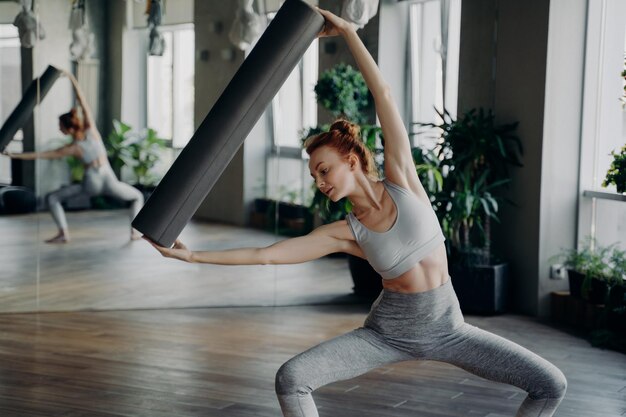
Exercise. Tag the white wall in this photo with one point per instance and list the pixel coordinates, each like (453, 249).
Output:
(561, 138)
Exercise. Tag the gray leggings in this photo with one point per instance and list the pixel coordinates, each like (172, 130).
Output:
(97, 181)
(423, 326)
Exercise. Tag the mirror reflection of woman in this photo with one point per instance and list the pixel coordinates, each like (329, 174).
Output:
(99, 178)
(393, 226)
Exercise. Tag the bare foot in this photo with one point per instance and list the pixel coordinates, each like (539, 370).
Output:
(60, 238)
(135, 235)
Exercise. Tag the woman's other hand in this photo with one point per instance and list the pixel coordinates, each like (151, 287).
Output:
(334, 25)
(178, 251)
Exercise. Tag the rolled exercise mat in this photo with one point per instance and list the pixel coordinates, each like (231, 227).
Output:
(25, 107)
(198, 167)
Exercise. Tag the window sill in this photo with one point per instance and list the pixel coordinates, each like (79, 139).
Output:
(603, 195)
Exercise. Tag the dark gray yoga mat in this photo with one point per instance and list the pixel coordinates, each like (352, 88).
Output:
(214, 144)
(24, 109)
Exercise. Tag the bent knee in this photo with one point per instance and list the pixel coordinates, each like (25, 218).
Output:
(290, 379)
(554, 386)
(51, 199)
(559, 385)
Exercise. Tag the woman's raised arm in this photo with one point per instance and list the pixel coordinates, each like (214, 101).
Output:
(89, 121)
(399, 165)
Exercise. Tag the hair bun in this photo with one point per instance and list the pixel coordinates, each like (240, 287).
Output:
(346, 128)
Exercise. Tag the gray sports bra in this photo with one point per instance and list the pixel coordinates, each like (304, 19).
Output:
(91, 148)
(415, 233)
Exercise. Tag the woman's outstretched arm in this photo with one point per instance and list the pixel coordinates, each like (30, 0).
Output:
(67, 150)
(320, 242)
(399, 165)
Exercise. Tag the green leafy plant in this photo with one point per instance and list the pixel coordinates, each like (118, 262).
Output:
(117, 146)
(475, 154)
(605, 263)
(138, 152)
(617, 172)
(77, 169)
(342, 91)
(429, 169)
(145, 153)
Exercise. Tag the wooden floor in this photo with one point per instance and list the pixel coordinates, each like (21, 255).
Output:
(156, 357)
(222, 361)
(101, 270)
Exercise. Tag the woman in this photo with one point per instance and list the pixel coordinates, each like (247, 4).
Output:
(392, 224)
(99, 178)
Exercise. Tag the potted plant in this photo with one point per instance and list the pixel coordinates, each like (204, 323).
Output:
(598, 275)
(294, 216)
(616, 174)
(475, 155)
(287, 215)
(595, 272)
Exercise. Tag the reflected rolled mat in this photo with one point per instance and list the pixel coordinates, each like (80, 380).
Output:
(198, 167)
(24, 109)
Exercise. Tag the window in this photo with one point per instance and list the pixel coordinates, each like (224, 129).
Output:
(294, 107)
(10, 89)
(603, 121)
(427, 62)
(171, 86)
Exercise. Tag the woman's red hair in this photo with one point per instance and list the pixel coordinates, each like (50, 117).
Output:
(344, 137)
(71, 120)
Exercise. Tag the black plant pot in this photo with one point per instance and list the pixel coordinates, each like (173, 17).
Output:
(263, 205)
(292, 211)
(575, 283)
(481, 289)
(617, 296)
(616, 322)
(367, 282)
(598, 292)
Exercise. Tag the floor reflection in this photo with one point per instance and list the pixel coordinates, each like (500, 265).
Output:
(101, 269)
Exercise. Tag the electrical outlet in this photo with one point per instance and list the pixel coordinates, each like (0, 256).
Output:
(558, 271)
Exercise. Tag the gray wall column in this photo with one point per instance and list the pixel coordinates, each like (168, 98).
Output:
(525, 61)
